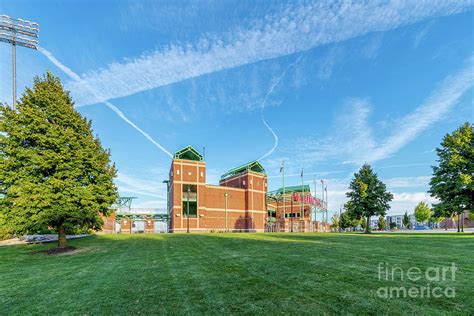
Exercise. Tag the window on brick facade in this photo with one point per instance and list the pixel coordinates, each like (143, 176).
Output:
(292, 215)
(192, 208)
(177, 172)
(190, 196)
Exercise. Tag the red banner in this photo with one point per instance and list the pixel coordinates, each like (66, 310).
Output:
(308, 199)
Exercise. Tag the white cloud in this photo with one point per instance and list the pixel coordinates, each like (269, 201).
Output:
(355, 139)
(407, 201)
(128, 184)
(421, 34)
(402, 201)
(94, 92)
(149, 204)
(407, 182)
(441, 100)
(295, 29)
(372, 47)
(352, 137)
(329, 61)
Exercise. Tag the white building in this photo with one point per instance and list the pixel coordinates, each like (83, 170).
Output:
(397, 219)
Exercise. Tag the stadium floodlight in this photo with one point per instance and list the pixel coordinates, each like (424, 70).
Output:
(18, 32)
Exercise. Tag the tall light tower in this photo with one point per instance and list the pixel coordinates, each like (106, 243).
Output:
(18, 32)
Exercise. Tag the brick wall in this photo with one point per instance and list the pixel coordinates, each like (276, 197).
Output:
(246, 205)
(109, 223)
(126, 226)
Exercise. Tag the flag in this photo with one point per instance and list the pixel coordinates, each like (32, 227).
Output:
(302, 173)
(281, 169)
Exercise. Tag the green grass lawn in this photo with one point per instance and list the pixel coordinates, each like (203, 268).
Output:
(233, 273)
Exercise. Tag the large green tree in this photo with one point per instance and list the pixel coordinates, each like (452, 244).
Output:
(335, 221)
(381, 223)
(53, 172)
(452, 182)
(347, 221)
(368, 196)
(422, 212)
(406, 220)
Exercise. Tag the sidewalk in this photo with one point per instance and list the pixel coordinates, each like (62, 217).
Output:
(33, 239)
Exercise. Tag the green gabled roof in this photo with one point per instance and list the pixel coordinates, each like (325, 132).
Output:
(254, 166)
(295, 189)
(188, 153)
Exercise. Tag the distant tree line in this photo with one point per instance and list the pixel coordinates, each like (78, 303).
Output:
(451, 184)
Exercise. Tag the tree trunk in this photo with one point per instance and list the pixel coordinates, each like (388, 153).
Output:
(458, 224)
(462, 222)
(62, 241)
(367, 225)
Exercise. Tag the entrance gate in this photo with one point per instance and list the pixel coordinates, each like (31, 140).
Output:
(142, 220)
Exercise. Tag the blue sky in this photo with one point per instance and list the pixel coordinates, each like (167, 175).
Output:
(325, 86)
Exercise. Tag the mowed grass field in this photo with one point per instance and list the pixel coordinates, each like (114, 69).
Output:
(233, 273)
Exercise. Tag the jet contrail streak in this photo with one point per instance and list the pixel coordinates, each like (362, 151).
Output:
(116, 110)
(269, 92)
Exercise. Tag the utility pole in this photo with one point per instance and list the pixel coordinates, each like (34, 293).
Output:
(187, 209)
(225, 203)
(18, 32)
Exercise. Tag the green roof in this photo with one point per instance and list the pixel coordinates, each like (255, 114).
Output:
(188, 153)
(254, 166)
(293, 189)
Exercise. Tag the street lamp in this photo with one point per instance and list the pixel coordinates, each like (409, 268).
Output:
(225, 203)
(282, 169)
(18, 32)
(291, 216)
(167, 201)
(187, 209)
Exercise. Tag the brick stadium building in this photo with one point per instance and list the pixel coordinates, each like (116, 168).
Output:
(239, 203)
(295, 209)
(236, 204)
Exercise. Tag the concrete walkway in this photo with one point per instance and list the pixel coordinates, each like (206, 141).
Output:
(34, 239)
(428, 231)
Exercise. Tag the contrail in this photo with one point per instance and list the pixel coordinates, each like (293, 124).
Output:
(123, 117)
(269, 92)
(116, 110)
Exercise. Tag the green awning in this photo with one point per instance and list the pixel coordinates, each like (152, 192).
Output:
(188, 153)
(253, 166)
(294, 189)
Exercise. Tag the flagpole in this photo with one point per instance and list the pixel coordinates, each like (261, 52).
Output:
(323, 219)
(302, 207)
(314, 206)
(327, 207)
(284, 199)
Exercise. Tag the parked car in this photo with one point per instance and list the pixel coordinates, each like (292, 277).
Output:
(422, 227)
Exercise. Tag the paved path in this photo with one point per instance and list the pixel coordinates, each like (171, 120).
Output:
(33, 239)
(429, 231)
